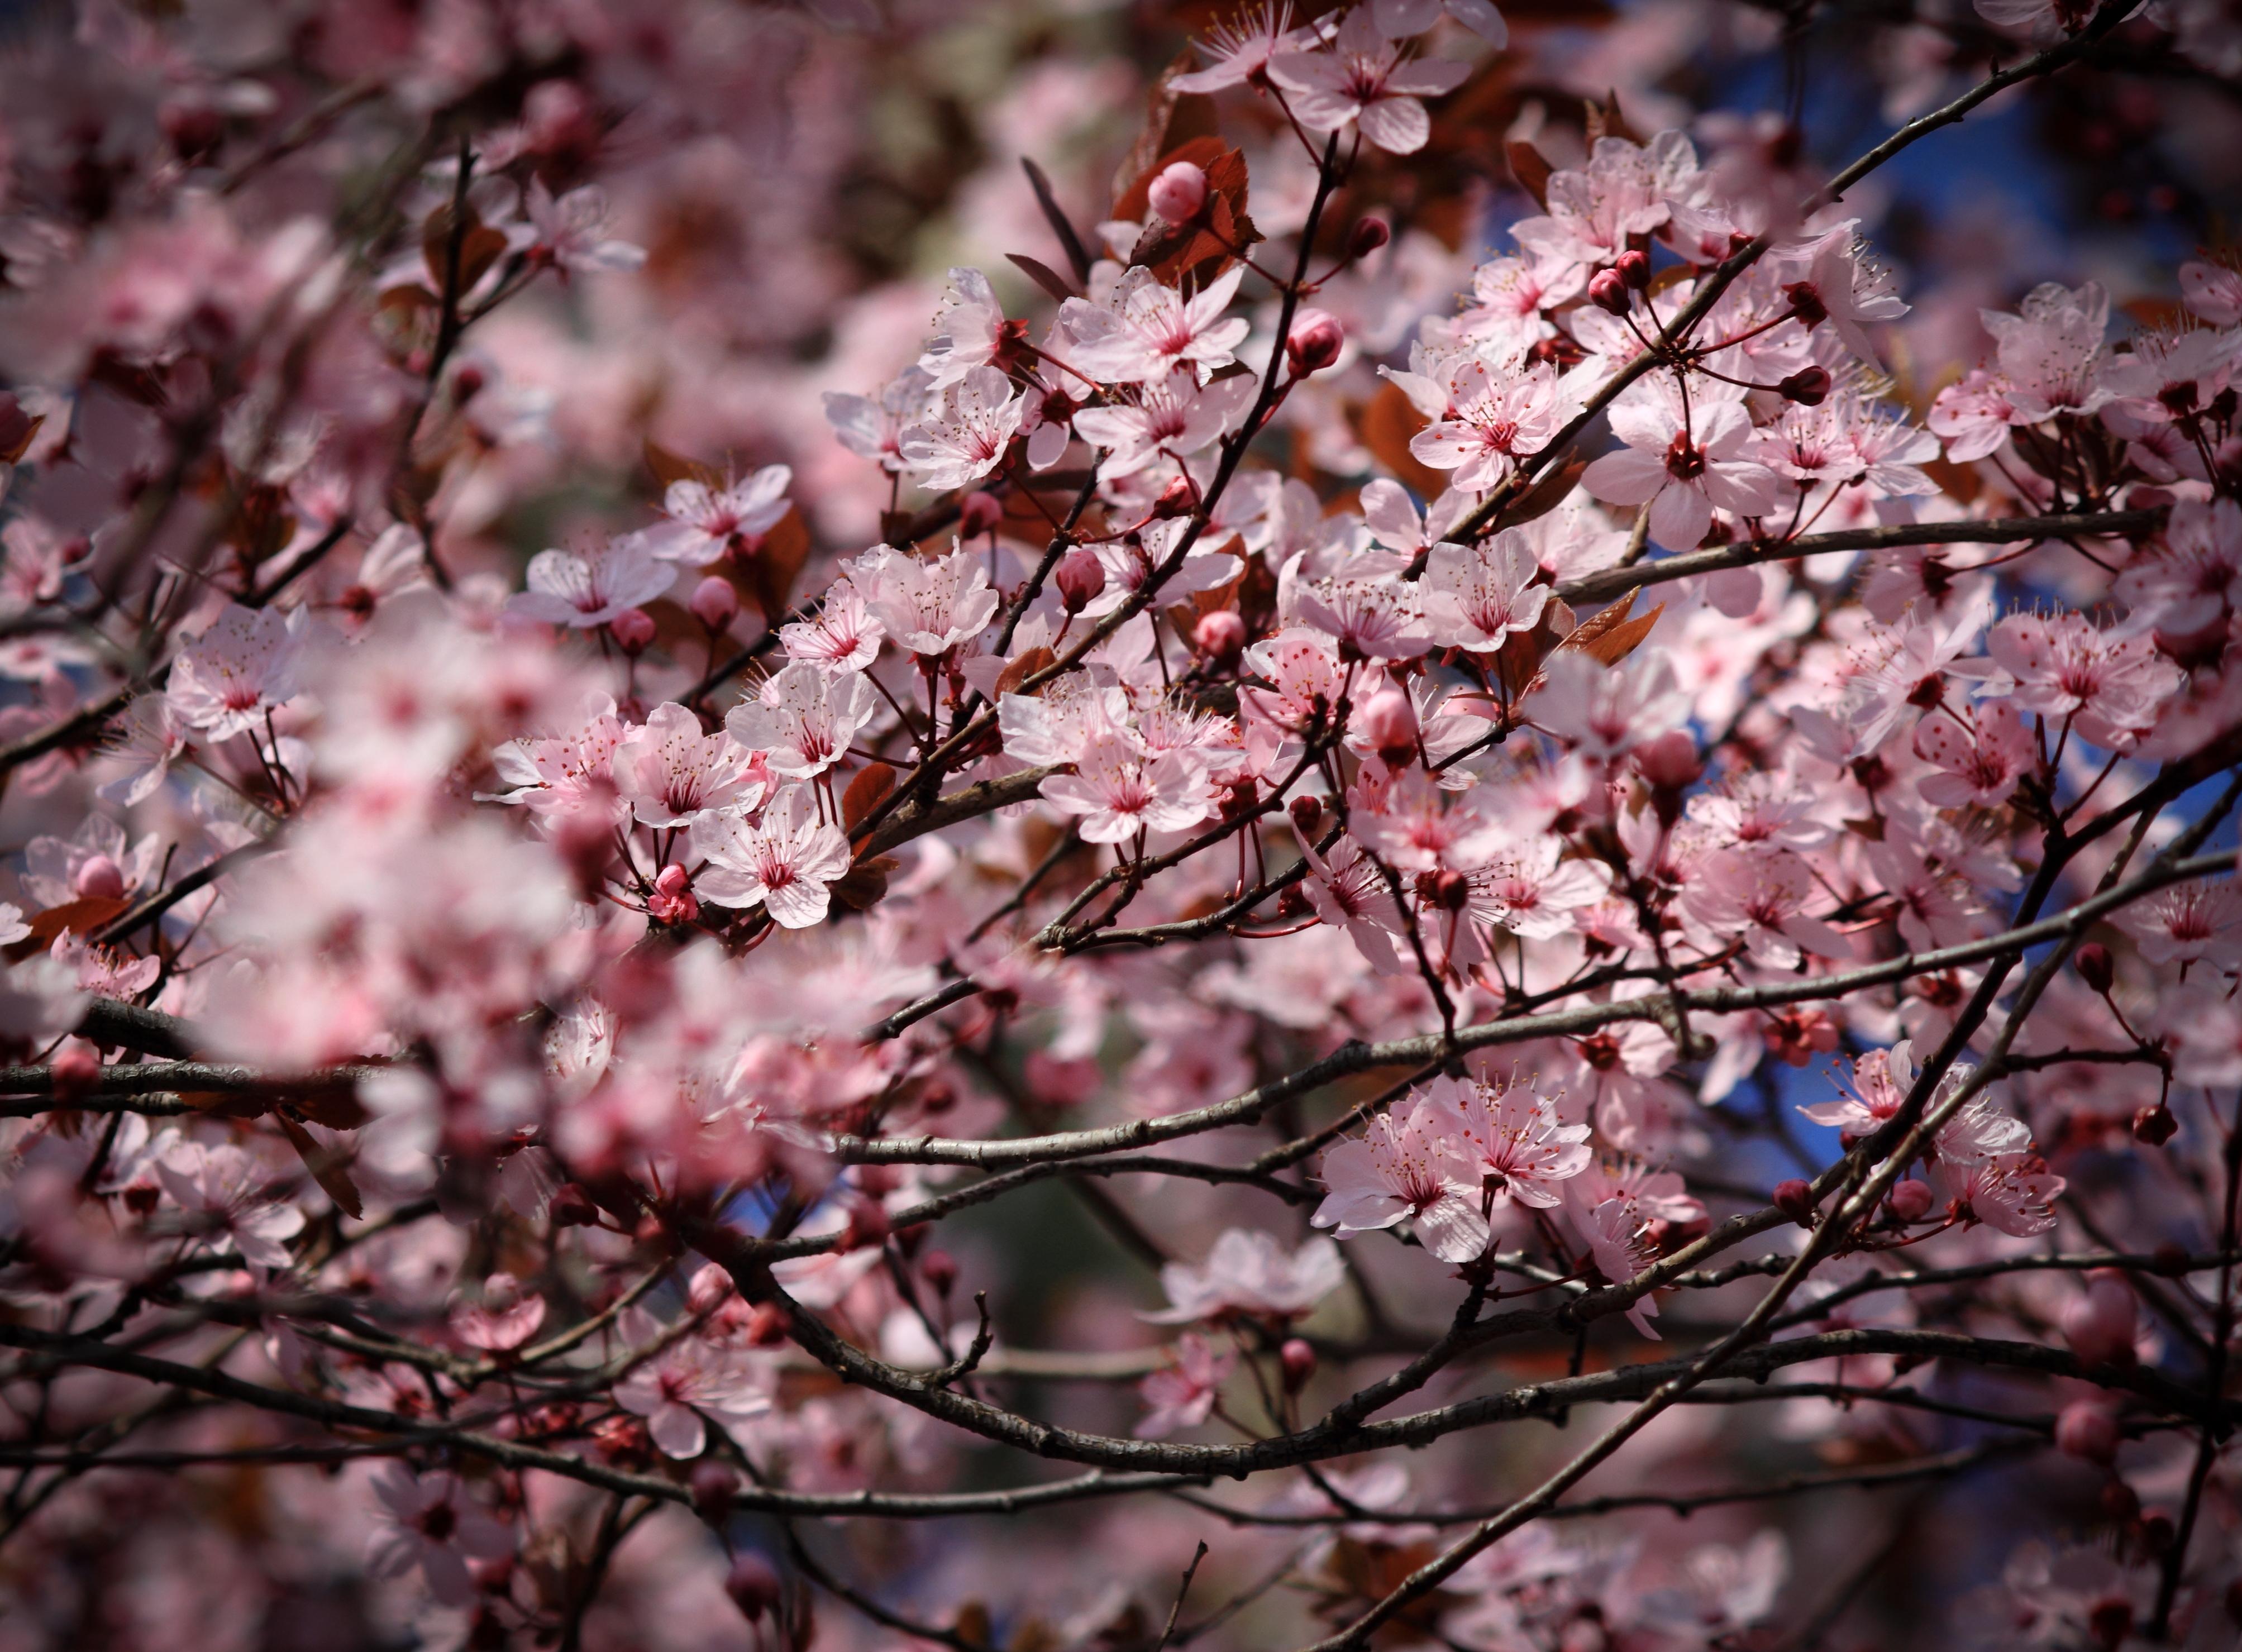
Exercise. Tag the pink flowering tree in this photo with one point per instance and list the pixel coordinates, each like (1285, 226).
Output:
(1431, 847)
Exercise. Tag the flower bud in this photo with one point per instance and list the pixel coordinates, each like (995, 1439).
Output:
(767, 1325)
(2085, 1429)
(672, 902)
(2094, 966)
(939, 1269)
(1633, 266)
(76, 1068)
(979, 512)
(1669, 761)
(1314, 342)
(715, 603)
(1809, 386)
(1450, 891)
(1307, 815)
(1178, 192)
(867, 1225)
(1389, 723)
(1911, 1200)
(1806, 303)
(1179, 498)
(714, 1485)
(1299, 1360)
(571, 1206)
(98, 879)
(1219, 636)
(711, 1286)
(2099, 1326)
(632, 630)
(1080, 577)
(1608, 291)
(2154, 1126)
(754, 1585)
(1794, 1198)
(1370, 234)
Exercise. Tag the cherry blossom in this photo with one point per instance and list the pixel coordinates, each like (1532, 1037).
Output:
(1249, 1271)
(671, 773)
(430, 1524)
(240, 670)
(1146, 330)
(1117, 790)
(784, 862)
(930, 605)
(707, 521)
(587, 589)
(1684, 463)
(1183, 1391)
(802, 720)
(1407, 1167)
(964, 434)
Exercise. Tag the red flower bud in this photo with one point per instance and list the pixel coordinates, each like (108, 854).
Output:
(77, 1069)
(2100, 1326)
(1370, 234)
(1389, 723)
(1080, 578)
(939, 1269)
(1911, 1200)
(2154, 1126)
(979, 512)
(2085, 1429)
(1794, 1198)
(2094, 966)
(1809, 386)
(1299, 1360)
(767, 1325)
(754, 1585)
(1633, 266)
(1606, 291)
(1670, 761)
(1307, 815)
(714, 1486)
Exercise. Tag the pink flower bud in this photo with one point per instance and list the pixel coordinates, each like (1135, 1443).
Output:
(2154, 1126)
(1370, 234)
(767, 1325)
(2094, 966)
(2085, 1429)
(754, 1585)
(1794, 1198)
(77, 1069)
(1307, 815)
(1911, 1200)
(1220, 635)
(939, 1269)
(1633, 266)
(715, 602)
(672, 902)
(99, 879)
(2100, 1325)
(1606, 291)
(1299, 1360)
(1389, 723)
(714, 1486)
(1179, 498)
(1452, 891)
(632, 630)
(1670, 761)
(1178, 192)
(1080, 577)
(1314, 342)
(978, 513)
(709, 1290)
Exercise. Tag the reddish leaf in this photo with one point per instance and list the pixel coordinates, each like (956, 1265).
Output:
(81, 917)
(1530, 168)
(1018, 671)
(1076, 255)
(777, 564)
(1385, 423)
(669, 467)
(1616, 642)
(865, 883)
(1044, 276)
(327, 1165)
(866, 793)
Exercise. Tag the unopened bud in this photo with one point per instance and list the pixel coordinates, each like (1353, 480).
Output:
(939, 1269)
(1219, 636)
(1633, 266)
(1299, 1360)
(1608, 291)
(2094, 966)
(767, 1325)
(1314, 342)
(2154, 1126)
(98, 879)
(571, 1206)
(2085, 1429)
(714, 1485)
(672, 902)
(1389, 723)
(1669, 761)
(1911, 1200)
(1307, 815)
(632, 630)
(1178, 192)
(710, 1287)
(979, 512)
(1370, 234)
(753, 1583)
(1452, 891)
(715, 603)
(1080, 578)
(1806, 303)
(1809, 386)
(868, 1226)
(76, 1068)
(2100, 1325)
(1794, 1198)
(1179, 498)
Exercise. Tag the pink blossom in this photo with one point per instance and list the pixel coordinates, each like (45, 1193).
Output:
(1502, 414)
(706, 522)
(572, 230)
(782, 863)
(506, 1318)
(840, 637)
(671, 774)
(586, 590)
(2067, 670)
(1604, 712)
(963, 437)
(1118, 790)
(1510, 1139)
(1408, 1166)
(1684, 467)
(1982, 759)
(1146, 330)
(1238, 50)
(431, 1522)
(680, 1385)
(1183, 1391)
(1761, 896)
(1170, 418)
(224, 1194)
(1250, 1271)
(968, 330)
(1476, 596)
(239, 672)
(803, 719)
(929, 605)
(2188, 923)
(1363, 77)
